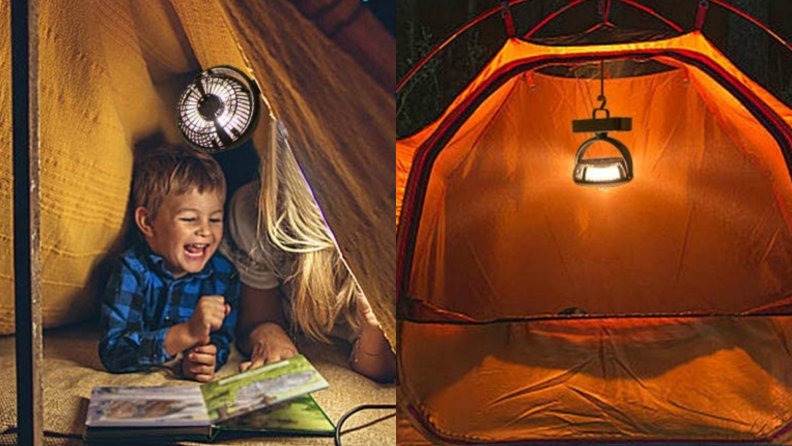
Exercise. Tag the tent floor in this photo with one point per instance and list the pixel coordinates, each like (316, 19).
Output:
(652, 379)
(72, 369)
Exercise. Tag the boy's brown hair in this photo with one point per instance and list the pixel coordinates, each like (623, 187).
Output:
(176, 170)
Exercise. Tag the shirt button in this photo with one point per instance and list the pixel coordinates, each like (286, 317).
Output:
(167, 318)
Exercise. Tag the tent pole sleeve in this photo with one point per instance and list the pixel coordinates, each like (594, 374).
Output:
(27, 250)
(635, 4)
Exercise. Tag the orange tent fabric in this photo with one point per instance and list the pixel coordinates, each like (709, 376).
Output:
(685, 273)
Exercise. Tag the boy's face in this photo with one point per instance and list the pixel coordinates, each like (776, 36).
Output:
(186, 231)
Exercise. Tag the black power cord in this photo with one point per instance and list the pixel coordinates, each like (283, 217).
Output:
(354, 411)
(15, 430)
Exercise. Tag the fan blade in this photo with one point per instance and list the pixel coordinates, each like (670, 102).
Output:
(225, 138)
(199, 84)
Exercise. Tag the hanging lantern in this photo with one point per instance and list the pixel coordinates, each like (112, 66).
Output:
(602, 171)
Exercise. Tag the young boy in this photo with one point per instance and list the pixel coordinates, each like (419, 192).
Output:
(172, 292)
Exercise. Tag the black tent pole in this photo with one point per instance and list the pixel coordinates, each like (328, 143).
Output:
(27, 247)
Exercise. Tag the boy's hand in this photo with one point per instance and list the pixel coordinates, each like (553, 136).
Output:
(199, 363)
(207, 317)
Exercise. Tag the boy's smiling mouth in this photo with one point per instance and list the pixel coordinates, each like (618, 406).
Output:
(196, 250)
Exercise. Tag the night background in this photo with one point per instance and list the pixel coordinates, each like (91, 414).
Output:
(422, 24)
(385, 11)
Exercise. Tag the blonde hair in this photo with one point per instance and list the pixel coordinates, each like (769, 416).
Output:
(323, 289)
(174, 170)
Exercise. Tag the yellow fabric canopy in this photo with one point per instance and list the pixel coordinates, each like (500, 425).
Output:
(110, 75)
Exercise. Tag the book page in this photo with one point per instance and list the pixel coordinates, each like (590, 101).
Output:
(261, 387)
(301, 415)
(164, 406)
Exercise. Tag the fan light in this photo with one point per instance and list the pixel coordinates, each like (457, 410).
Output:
(602, 171)
(219, 109)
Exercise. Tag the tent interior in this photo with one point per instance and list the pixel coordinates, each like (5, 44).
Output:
(701, 227)
(537, 308)
(110, 75)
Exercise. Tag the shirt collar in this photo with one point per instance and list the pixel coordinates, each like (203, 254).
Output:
(157, 264)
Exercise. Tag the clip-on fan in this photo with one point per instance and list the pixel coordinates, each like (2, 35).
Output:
(219, 109)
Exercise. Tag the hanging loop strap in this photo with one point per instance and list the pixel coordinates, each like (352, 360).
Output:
(701, 13)
(508, 21)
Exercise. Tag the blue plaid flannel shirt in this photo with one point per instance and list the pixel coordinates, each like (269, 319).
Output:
(143, 300)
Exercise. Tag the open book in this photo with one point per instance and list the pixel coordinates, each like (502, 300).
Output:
(272, 398)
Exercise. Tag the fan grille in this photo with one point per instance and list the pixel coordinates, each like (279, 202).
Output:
(218, 109)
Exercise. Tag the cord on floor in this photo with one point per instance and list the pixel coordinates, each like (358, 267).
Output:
(354, 411)
(15, 430)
